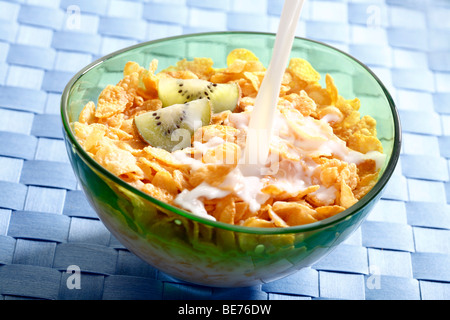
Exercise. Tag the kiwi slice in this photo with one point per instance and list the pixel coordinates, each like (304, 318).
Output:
(171, 128)
(223, 96)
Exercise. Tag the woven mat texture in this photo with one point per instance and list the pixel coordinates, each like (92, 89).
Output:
(402, 251)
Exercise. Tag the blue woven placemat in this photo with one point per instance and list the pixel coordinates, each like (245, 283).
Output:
(402, 251)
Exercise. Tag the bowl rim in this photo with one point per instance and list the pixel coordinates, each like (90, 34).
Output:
(346, 214)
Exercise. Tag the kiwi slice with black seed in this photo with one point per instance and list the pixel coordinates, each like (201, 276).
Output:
(223, 96)
(171, 128)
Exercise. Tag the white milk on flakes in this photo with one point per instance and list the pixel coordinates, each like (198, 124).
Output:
(292, 176)
(302, 137)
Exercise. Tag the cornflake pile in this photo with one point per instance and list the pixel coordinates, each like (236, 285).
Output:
(327, 155)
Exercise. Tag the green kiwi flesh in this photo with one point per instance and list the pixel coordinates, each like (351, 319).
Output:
(171, 128)
(223, 96)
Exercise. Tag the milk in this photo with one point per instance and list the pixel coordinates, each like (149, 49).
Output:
(192, 200)
(248, 188)
(289, 175)
(262, 120)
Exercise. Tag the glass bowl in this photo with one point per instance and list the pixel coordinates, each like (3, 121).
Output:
(198, 250)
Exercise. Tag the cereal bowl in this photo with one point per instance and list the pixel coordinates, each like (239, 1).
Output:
(193, 248)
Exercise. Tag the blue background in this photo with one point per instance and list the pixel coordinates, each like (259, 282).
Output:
(402, 251)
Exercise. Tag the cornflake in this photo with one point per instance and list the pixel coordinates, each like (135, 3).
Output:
(324, 157)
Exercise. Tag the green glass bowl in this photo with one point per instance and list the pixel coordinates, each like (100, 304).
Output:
(201, 251)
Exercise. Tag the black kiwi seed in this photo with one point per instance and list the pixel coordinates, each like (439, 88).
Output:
(158, 124)
(154, 114)
(180, 91)
(157, 118)
(214, 84)
(206, 93)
